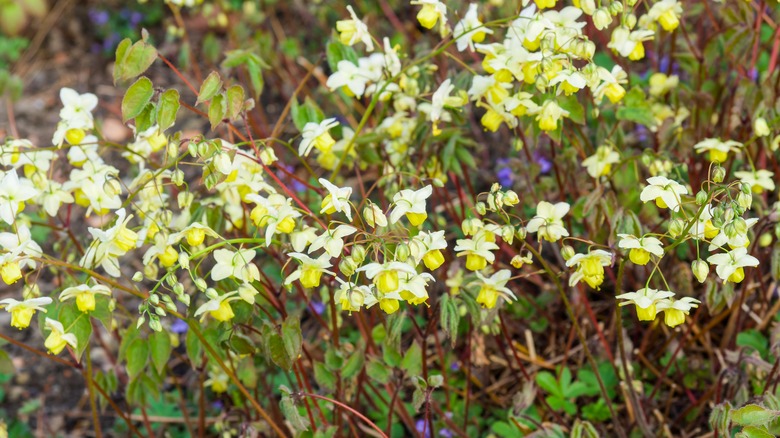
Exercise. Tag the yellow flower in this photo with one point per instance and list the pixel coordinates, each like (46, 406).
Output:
(58, 339)
(675, 310)
(23, 311)
(84, 295)
(590, 267)
(645, 301)
(10, 272)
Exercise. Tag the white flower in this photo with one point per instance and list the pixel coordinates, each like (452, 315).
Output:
(675, 310)
(310, 271)
(729, 266)
(548, 221)
(337, 199)
(23, 311)
(645, 301)
(412, 204)
(759, 180)
(332, 241)
(317, 135)
(718, 149)
(77, 108)
(438, 101)
(350, 76)
(13, 193)
(590, 267)
(490, 288)
(665, 192)
(470, 30)
(600, 163)
(354, 30)
(641, 248)
(235, 264)
(477, 250)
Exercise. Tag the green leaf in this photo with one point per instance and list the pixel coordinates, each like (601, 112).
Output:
(255, 72)
(309, 112)
(636, 108)
(753, 415)
(336, 52)
(76, 322)
(353, 365)
(278, 352)
(450, 317)
(160, 346)
(137, 354)
(193, 348)
(752, 338)
(378, 371)
(136, 98)
(412, 361)
(291, 334)
(132, 61)
(167, 109)
(333, 359)
(210, 87)
(6, 364)
(216, 111)
(754, 432)
(298, 422)
(147, 118)
(325, 377)
(574, 107)
(549, 383)
(235, 101)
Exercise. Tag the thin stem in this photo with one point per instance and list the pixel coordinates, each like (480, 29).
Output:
(354, 412)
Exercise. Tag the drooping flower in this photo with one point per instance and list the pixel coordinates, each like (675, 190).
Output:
(316, 135)
(85, 295)
(310, 271)
(23, 311)
(412, 204)
(590, 267)
(493, 287)
(641, 248)
(675, 310)
(235, 264)
(353, 30)
(337, 199)
(645, 300)
(58, 339)
(665, 192)
(730, 265)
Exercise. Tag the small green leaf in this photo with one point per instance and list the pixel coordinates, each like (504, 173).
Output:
(278, 352)
(754, 432)
(235, 101)
(549, 383)
(160, 347)
(298, 422)
(137, 354)
(76, 322)
(147, 118)
(209, 88)
(216, 111)
(132, 61)
(136, 98)
(636, 108)
(412, 361)
(753, 415)
(6, 364)
(193, 348)
(378, 371)
(353, 365)
(167, 109)
(291, 334)
(574, 107)
(325, 377)
(336, 52)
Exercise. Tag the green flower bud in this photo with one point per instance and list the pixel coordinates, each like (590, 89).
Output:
(402, 252)
(481, 208)
(718, 174)
(701, 197)
(347, 266)
(676, 228)
(700, 270)
(765, 240)
(567, 252)
(358, 253)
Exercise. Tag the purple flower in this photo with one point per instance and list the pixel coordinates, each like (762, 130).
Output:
(641, 133)
(135, 18)
(179, 326)
(421, 426)
(505, 175)
(446, 433)
(98, 17)
(545, 165)
(455, 366)
(318, 307)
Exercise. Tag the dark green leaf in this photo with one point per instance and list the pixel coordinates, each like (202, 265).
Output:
(160, 347)
(137, 354)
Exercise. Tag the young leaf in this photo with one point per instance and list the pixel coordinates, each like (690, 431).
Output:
(132, 61)
(412, 361)
(216, 111)
(160, 347)
(377, 371)
(137, 354)
(753, 415)
(324, 377)
(235, 101)
(167, 109)
(209, 88)
(136, 98)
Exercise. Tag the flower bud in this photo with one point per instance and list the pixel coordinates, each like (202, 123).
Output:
(112, 186)
(373, 215)
(602, 18)
(588, 6)
(358, 253)
(700, 270)
(630, 20)
(522, 233)
(178, 289)
(567, 252)
(718, 174)
(200, 283)
(471, 226)
(701, 197)
(676, 228)
(765, 240)
(745, 201)
(481, 208)
(184, 199)
(511, 198)
(177, 177)
(741, 226)
(760, 127)
(138, 276)
(347, 266)
(154, 299)
(615, 8)
(508, 234)
(402, 252)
